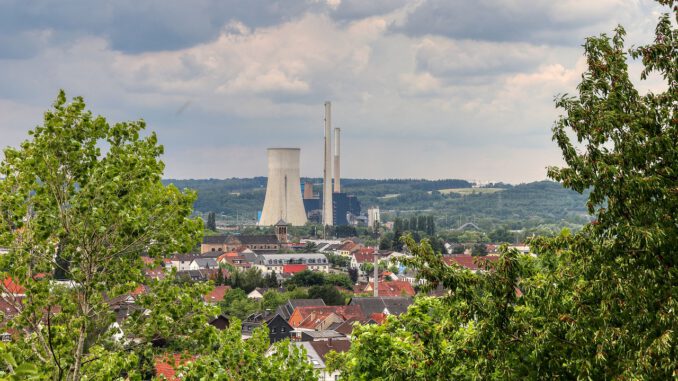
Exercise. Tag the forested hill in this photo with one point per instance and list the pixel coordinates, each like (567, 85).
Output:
(451, 201)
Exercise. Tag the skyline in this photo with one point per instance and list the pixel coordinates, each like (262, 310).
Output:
(424, 89)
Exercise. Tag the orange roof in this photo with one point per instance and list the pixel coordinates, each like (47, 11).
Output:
(217, 294)
(12, 287)
(388, 288)
(311, 315)
(291, 269)
(141, 289)
(364, 257)
(379, 318)
(166, 366)
(468, 261)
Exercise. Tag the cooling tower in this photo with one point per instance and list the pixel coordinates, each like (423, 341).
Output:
(337, 171)
(327, 168)
(283, 191)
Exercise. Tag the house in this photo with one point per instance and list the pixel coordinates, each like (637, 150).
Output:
(287, 309)
(256, 294)
(220, 322)
(469, 262)
(216, 295)
(261, 244)
(320, 318)
(316, 352)
(346, 248)
(276, 262)
(359, 258)
(278, 328)
(389, 288)
(199, 263)
(234, 259)
(318, 335)
(388, 305)
(166, 366)
(181, 262)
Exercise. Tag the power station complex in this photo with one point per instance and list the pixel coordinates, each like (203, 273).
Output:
(284, 200)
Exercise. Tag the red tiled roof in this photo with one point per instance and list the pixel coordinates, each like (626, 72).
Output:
(366, 250)
(166, 365)
(312, 314)
(468, 261)
(12, 287)
(141, 289)
(388, 288)
(217, 294)
(364, 257)
(292, 269)
(379, 318)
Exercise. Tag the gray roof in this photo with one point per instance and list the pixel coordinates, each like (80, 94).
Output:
(326, 334)
(214, 239)
(206, 263)
(395, 305)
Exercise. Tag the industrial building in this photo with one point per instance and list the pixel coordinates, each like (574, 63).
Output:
(283, 194)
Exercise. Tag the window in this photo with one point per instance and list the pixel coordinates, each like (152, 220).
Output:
(282, 330)
(273, 331)
(212, 249)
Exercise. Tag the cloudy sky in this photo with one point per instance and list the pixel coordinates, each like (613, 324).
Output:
(421, 89)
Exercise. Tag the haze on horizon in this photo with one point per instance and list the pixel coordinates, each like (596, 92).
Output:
(421, 89)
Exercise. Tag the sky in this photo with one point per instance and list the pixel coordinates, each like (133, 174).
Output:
(420, 89)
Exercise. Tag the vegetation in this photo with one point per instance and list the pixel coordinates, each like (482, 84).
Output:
(80, 202)
(599, 304)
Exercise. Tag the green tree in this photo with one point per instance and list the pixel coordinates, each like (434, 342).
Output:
(81, 200)
(251, 359)
(599, 304)
(328, 293)
(479, 249)
(237, 304)
(211, 222)
(247, 280)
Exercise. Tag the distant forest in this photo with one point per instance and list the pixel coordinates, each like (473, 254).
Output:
(451, 202)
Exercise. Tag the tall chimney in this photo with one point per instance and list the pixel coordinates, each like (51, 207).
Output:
(327, 171)
(376, 274)
(337, 171)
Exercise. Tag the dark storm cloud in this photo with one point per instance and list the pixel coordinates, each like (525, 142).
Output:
(134, 26)
(494, 20)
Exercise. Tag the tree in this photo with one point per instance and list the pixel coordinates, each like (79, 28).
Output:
(328, 293)
(237, 304)
(479, 249)
(247, 280)
(598, 304)
(211, 222)
(82, 200)
(353, 274)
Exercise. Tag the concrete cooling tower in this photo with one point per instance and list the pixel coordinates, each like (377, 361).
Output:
(283, 189)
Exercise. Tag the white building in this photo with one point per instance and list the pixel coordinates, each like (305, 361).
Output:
(277, 262)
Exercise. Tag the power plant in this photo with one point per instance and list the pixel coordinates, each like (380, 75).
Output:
(283, 193)
(283, 190)
(327, 169)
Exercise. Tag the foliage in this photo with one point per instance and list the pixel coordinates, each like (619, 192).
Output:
(237, 359)
(599, 304)
(308, 278)
(479, 249)
(338, 260)
(81, 201)
(248, 280)
(211, 223)
(328, 293)
(237, 304)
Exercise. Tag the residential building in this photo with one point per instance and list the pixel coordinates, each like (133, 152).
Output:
(276, 262)
(287, 309)
(278, 327)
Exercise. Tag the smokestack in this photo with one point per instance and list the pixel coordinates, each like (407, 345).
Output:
(327, 171)
(376, 274)
(283, 193)
(337, 171)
